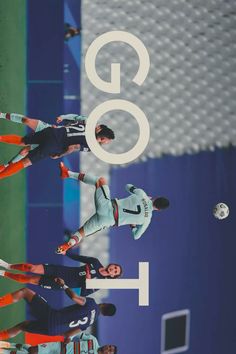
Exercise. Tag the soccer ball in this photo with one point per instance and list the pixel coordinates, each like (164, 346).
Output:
(221, 211)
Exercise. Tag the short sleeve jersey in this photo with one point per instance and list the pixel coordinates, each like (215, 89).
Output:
(75, 316)
(135, 209)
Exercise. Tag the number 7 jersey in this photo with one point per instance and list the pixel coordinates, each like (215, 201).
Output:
(135, 210)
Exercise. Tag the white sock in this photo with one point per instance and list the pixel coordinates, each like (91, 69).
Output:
(2, 273)
(73, 175)
(4, 264)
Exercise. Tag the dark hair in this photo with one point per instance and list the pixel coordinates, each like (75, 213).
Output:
(115, 348)
(116, 276)
(161, 203)
(107, 309)
(105, 132)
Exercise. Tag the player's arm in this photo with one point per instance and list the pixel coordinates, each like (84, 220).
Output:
(68, 336)
(83, 259)
(80, 300)
(70, 149)
(71, 117)
(130, 188)
(138, 230)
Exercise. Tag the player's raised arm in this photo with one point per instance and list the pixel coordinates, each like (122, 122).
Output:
(130, 188)
(138, 230)
(83, 259)
(80, 300)
(72, 117)
(70, 149)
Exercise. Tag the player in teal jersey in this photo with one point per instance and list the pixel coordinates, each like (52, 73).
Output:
(135, 210)
(82, 344)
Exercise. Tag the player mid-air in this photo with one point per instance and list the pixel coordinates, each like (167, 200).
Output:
(135, 210)
(67, 321)
(49, 140)
(74, 277)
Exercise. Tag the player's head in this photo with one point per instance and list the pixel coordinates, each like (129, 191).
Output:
(160, 203)
(108, 349)
(114, 270)
(104, 135)
(107, 309)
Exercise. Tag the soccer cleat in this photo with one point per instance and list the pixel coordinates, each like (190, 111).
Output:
(62, 249)
(2, 168)
(4, 264)
(64, 171)
(2, 273)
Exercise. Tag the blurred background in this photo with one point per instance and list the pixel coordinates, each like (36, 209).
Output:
(189, 100)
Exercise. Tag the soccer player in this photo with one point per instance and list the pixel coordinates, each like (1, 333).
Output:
(135, 210)
(74, 277)
(83, 343)
(49, 140)
(66, 322)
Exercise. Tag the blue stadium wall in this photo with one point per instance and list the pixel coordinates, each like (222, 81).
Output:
(53, 77)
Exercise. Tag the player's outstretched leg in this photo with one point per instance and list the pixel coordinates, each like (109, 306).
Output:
(15, 168)
(11, 298)
(79, 176)
(20, 118)
(21, 278)
(23, 267)
(14, 331)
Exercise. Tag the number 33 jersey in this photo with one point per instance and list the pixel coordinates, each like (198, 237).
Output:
(135, 210)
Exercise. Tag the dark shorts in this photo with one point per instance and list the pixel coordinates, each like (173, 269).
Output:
(70, 275)
(40, 309)
(49, 143)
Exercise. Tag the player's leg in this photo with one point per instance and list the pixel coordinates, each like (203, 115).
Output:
(23, 267)
(16, 296)
(13, 331)
(21, 278)
(79, 176)
(15, 168)
(102, 218)
(32, 123)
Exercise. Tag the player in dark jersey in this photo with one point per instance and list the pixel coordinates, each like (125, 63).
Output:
(49, 140)
(74, 277)
(67, 321)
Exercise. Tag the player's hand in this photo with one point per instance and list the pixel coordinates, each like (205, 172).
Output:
(59, 281)
(59, 120)
(88, 275)
(54, 157)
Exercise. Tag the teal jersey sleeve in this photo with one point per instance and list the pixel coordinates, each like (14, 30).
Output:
(130, 188)
(73, 117)
(138, 230)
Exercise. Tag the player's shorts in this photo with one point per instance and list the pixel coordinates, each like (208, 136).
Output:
(70, 275)
(40, 309)
(48, 144)
(104, 216)
(40, 126)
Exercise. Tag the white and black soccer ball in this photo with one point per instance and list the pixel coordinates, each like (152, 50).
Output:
(221, 211)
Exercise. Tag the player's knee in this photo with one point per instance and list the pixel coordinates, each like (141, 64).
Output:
(101, 182)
